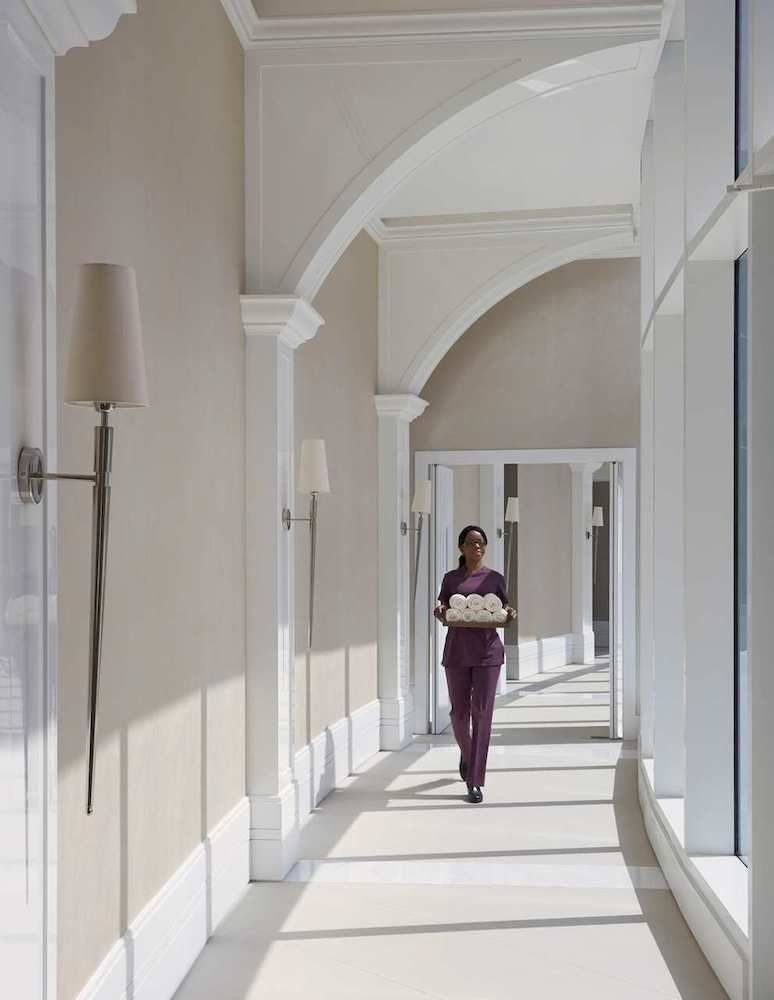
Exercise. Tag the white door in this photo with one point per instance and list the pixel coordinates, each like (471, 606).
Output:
(27, 377)
(442, 559)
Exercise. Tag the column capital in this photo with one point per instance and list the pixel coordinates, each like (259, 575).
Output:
(400, 406)
(289, 318)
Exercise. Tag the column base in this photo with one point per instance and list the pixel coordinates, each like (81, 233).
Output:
(396, 727)
(274, 834)
(583, 647)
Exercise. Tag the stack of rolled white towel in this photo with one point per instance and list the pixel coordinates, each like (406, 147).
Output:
(476, 609)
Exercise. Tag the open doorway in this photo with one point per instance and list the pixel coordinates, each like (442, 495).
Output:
(551, 555)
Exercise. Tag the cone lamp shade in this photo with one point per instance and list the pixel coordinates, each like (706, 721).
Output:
(598, 518)
(106, 363)
(512, 510)
(313, 468)
(422, 498)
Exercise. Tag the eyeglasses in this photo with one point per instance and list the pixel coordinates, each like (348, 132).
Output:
(474, 545)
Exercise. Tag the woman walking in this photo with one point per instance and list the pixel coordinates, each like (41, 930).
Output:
(472, 658)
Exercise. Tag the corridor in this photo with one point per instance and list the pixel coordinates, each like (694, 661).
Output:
(548, 890)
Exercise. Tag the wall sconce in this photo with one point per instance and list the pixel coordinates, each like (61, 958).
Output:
(312, 479)
(511, 518)
(597, 522)
(106, 369)
(421, 505)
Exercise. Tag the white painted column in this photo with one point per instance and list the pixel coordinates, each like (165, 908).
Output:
(492, 509)
(274, 327)
(709, 558)
(761, 593)
(395, 414)
(668, 597)
(645, 547)
(582, 564)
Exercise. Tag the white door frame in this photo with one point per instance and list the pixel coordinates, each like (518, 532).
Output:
(18, 25)
(627, 461)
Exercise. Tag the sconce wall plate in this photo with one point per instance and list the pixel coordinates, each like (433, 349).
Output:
(29, 475)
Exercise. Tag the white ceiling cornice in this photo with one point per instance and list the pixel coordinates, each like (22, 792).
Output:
(69, 24)
(490, 229)
(633, 22)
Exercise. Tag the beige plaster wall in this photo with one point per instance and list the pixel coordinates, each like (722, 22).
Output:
(150, 172)
(545, 551)
(335, 384)
(554, 365)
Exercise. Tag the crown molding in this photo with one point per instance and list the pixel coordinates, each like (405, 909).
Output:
(69, 24)
(443, 232)
(289, 318)
(631, 22)
(403, 406)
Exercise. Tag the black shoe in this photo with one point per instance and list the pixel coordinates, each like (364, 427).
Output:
(463, 769)
(475, 794)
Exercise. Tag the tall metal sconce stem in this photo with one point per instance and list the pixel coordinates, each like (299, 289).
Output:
(288, 520)
(103, 463)
(404, 530)
(32, 477)
(312, 562)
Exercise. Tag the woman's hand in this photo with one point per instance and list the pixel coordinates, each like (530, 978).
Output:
(511, 612)
(440, 612)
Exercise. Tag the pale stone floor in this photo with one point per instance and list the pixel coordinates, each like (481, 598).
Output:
(549, 890)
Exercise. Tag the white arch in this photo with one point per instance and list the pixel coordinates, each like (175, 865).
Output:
(493, 291)
(361, 197)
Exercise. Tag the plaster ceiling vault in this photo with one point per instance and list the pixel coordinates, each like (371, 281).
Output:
(341, 125)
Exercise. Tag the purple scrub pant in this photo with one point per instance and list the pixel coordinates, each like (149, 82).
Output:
(472, 693)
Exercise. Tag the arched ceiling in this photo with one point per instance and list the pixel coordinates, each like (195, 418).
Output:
(572, 139)
(552, 177)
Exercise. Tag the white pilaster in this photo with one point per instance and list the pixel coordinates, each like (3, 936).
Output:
(709, 556)
(668, 568)
(761, 593)
(395, 413)
(582, 563)
(274, 326)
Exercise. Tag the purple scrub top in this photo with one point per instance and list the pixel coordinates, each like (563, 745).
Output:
(473, 647)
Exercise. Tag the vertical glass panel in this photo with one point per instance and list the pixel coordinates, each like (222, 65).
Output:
(742, 741)
(742, 85)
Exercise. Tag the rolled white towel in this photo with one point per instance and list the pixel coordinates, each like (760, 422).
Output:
(468, 615)
(500, 617)
(484, 617)
(453, 615)
(476, 602)
(458, 601)
(493, 603)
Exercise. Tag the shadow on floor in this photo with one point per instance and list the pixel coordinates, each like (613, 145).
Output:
(231, 962)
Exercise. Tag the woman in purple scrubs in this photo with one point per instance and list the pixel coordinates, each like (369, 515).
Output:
(472, 658)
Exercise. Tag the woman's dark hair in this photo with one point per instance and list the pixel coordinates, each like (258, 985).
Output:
(464, 534)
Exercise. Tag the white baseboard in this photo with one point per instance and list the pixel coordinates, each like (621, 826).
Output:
(153, 957)
(332, 755)
(723, 944)
(538, 655)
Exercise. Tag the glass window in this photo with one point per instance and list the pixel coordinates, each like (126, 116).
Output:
(742, 85)
(741, 730)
